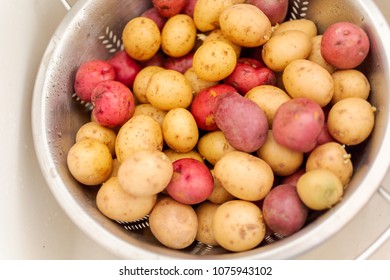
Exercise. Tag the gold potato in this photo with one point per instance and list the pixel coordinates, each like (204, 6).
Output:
(350, 83)
(316, 56)
(219, 194)
(148, 109)
(217, 35)
(141, 82)
(305, 25)
(197, 84)
(205, 213)
(213, 145)
(174, 155)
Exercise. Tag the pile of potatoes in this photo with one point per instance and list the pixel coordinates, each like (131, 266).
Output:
(222, 121)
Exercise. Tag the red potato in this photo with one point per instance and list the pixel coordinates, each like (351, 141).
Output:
(283, 211)
(126, 68)
(180, 64)
(89, 74)
(248, 74)
(298, 123)
(344, 45)
(203, 104)
(169, 8)
(113, 103)
(324, 136)
(191, 182)
(157, 60)
(189, 8)
(242, 121)
(154, 15)
(275, 10)
(293, 178)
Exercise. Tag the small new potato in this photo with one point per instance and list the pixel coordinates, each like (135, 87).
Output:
(197, 84)
(217, 35)
(245, 176)
(238, 225)
(141, 82)
(307, 26)
(219, 194)
(205, 212)
(174, 224)
(145, 173)
(119, 205)
(174, 155)
(90, 162)
(141, 38)
(148, 109)
(316, 56)
(179, 130)
(350, 83)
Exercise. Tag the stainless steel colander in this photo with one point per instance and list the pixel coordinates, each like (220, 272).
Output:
(91, 29)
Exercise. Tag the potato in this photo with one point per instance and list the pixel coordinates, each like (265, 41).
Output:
(293, 178)
(197, 84)
(213, 145)
(93, 130)
(206, 13)
(232, 114)
(191, 182)
(350, 83)
(217, 35)
(219, 194)
(115, 168)
(174, 155)
(298, 123)
(238, 225)
(316, 56)
(275, 10)
(269, 98)
(283, 210)
(178, 35)
(304, 78)
(174, 224)
(244, 176)
(351, 120)
(141, 82)
(154, 15)
(141, 38)
(169, 8)
(90, 162)
(148, 109)
(126, 68)
(307, 26)
(179, 130)
(284, 48)
(205, 213)
(169, 89)
(344, 45)
(282, 160)
(245, 25)
(214, 61)
(118, 205)
(145, 173)
(319, 189)
(139, 133)
(180, 64)
(332, 156)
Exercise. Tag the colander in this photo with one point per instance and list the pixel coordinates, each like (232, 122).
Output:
(92, 29)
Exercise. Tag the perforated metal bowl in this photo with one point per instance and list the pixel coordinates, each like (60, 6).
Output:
(91, 29)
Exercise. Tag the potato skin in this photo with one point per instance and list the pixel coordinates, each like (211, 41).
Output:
(304, 25)
(275, 10)
(205, 213)
(350, 83)
(141, 82)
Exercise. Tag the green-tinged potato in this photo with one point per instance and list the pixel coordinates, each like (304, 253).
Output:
(178, 35)
(217, 35)
(145, 172)
(332, 156)
(320, 189)
(350, 83)
(245, 25)
(169, 89)
(213, 145)
(304, 78)
(207, 12)
(214, 61)
(141, 82)
(219, 194)
(316, 56)
(205, 213)
(245, 176)
(197, 84)
(174, 155)
(179, 130)
(118, 205)
(148, 109)
(93, 130)
(238, 225)
(351, 120)
(90, 162)
(141, 38)
(269, 98)
(281, 159)
(284, 48)
(139, 133)
(174, 224)
(305, 25)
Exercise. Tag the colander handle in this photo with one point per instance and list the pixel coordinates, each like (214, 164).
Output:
(66, 4)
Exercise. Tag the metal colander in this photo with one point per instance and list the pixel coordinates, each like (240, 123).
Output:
(92, 28)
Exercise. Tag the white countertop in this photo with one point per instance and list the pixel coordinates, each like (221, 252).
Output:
(33, 226)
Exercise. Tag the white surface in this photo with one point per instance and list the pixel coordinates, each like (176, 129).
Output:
(33, 226)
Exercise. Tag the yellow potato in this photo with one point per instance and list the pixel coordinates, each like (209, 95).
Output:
(284, 48)
(205, 213)
(169, 89)
(141, 82)
(245, 25)
(214, 61)
(174, 155)
(90, 162)
(304, 78)
(219, 194)
(350, 83)
(180, 130)
(197, 84)
(118, 205)
(244, 176)
(139, 133)
(316, 56)
(178, 35)
(305, 25)
(148, 109)
(213, 145)
(141, 38)
(217, 35)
